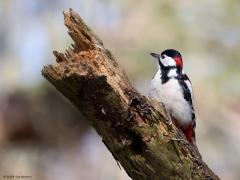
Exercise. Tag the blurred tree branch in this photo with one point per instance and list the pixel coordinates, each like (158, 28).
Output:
(135, 130)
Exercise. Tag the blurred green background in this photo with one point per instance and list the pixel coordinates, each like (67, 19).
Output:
(43, 136)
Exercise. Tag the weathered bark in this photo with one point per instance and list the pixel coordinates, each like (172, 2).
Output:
(136, 131)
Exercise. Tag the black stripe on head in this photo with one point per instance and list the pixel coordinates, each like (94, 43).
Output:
(171, 53)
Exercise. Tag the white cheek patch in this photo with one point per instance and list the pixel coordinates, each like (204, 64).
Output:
(172, 73)
(168, 61)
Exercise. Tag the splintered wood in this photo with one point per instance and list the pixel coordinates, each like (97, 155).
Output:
(136, 131)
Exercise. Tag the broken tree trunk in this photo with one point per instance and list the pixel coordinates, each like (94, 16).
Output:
(136, 131)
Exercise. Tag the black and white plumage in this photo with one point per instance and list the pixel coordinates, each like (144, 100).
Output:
(172, 87)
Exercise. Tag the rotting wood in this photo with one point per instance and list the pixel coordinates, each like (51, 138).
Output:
(136, 131)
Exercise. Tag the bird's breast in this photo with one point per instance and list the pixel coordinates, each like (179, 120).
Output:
(171, 95)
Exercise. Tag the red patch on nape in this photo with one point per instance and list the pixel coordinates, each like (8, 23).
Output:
(178, 61)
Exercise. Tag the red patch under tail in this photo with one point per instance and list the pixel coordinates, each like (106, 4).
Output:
(189, 133)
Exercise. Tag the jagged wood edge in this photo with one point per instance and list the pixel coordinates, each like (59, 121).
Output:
(134, 129)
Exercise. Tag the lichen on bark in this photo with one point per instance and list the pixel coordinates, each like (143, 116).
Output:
(136, 130)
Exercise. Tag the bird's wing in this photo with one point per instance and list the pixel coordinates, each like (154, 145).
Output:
(189, 87)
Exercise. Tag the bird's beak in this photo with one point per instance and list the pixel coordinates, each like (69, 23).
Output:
(155, 55)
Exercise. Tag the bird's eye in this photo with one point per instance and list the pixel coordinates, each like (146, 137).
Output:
(163, 56)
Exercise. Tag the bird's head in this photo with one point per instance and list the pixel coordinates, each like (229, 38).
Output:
(169, 58)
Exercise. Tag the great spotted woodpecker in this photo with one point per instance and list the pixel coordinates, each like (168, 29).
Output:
(172, 87)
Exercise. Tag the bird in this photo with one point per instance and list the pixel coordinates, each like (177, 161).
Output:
(172, 87)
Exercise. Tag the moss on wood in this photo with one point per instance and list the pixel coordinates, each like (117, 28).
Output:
(136, 131)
